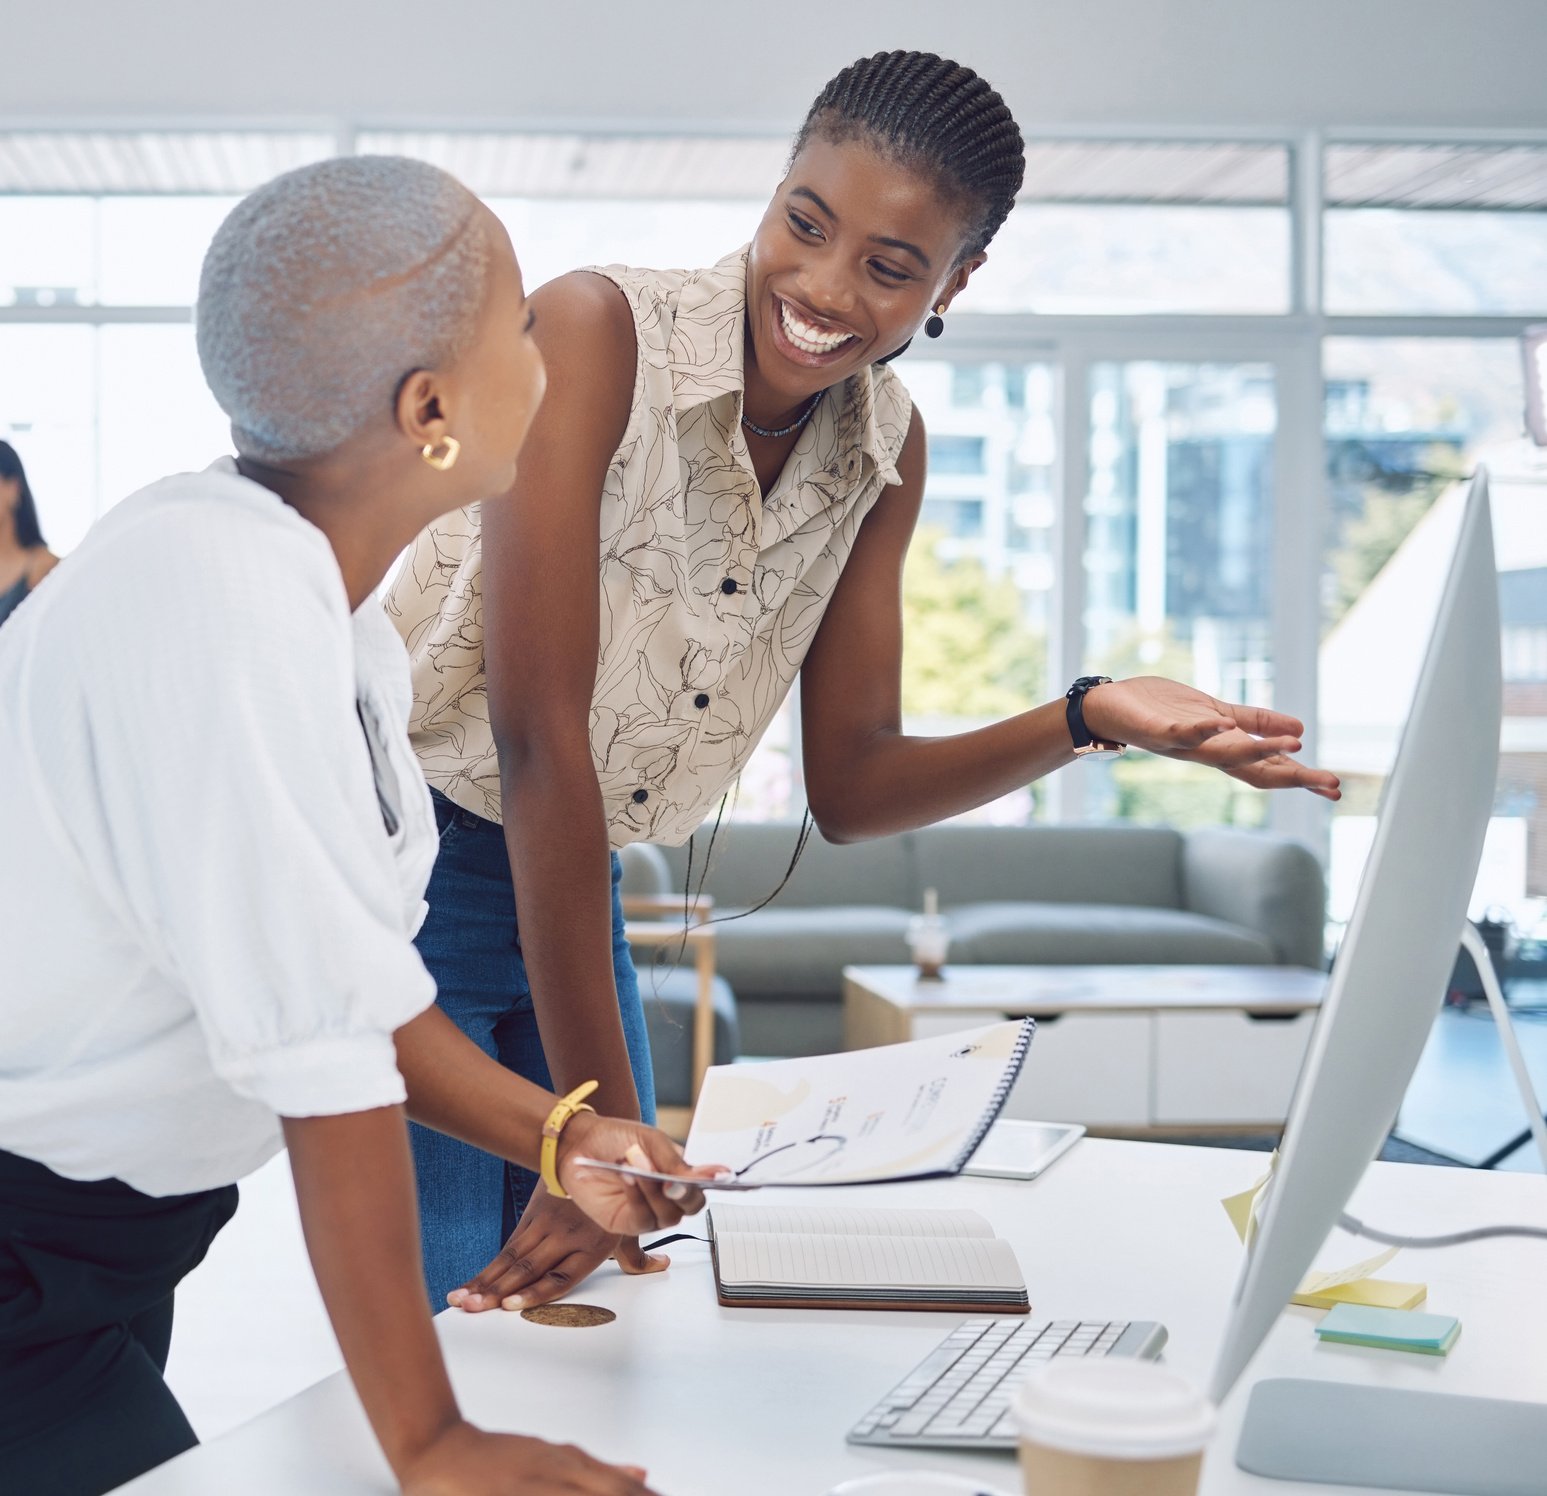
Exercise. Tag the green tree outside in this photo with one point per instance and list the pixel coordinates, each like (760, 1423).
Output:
(1390, 508)
(967, 649)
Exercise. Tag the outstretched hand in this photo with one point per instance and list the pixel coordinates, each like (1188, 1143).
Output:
(1249, 743)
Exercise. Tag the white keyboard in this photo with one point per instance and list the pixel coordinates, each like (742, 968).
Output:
(959, 1394)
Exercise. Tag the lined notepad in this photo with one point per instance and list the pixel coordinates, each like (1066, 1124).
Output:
(896, 1259)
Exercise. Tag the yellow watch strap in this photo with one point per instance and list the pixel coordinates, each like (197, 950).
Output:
(558, 1119)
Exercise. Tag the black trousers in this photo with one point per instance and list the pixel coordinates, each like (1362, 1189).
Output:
(87, 1273)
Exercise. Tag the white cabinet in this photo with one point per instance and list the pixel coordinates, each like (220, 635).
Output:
(1213, 1068)
(1082, 1067)
(1125, 1048)
(1086, 1067)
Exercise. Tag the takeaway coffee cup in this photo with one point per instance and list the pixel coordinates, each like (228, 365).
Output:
(1111, 1427)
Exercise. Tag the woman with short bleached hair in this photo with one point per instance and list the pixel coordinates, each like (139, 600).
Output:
(214, 843)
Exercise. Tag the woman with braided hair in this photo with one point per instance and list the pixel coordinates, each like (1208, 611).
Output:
(733, 445)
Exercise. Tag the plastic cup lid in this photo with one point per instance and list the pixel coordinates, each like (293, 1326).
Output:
(1115, 1407)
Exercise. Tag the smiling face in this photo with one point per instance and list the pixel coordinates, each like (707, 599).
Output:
(854, 252)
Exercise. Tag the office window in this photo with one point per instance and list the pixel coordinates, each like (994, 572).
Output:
(1108, 260)
(109, 251)
(969, 383)
(1404, 418)
(772, 782)
(1407, 421)
(152, 248)
(1525, 646)
(48, 251)
(978, 584)
(157, 415)
(956, 454)
(953, 519)
(555, 235)
(1436, 229)
(97, 412)
(1113, 227)
(1178, 561)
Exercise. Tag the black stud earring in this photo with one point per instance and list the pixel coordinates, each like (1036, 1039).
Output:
(934, 323)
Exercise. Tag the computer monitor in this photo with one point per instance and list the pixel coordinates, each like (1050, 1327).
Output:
(1387, 982)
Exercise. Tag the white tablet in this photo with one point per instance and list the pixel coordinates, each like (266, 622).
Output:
(1022, 1150)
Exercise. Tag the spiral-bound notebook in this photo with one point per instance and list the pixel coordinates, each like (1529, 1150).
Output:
(812, 1257)
(871, 1116)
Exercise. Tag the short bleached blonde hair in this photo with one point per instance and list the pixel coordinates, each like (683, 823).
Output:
(328, 285)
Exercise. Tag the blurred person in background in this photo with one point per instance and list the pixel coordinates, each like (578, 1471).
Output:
(24, 557)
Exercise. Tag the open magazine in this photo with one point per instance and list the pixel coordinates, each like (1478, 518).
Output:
(871, 1116)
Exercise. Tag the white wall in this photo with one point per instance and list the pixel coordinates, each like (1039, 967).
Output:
(729, 63)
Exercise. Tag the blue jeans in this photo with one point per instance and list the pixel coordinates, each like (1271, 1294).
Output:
(469, 1200)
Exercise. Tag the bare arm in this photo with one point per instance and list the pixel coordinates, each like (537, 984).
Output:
(355, 1186)
(354, 1181)
(865, 777)
(541, 608)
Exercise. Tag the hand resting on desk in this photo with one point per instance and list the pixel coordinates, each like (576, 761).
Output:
(559, 1243)
(468, 1462)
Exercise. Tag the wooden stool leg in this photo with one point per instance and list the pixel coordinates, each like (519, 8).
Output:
(703, 1012)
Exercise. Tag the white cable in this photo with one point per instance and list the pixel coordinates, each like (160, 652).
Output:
(1472, 943)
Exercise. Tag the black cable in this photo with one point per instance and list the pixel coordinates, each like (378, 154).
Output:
(666, 1241)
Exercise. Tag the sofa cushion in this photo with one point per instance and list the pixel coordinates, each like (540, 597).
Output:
(1133, 865)
(645, 870)
(780, 952)
(1263, 882)
(1099, 935)
(751, 857)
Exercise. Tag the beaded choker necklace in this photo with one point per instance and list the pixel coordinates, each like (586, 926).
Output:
(794, 425)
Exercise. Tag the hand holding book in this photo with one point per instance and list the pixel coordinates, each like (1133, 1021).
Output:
(872, 1116)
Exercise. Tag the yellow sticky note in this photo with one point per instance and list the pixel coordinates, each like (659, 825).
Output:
(1354, 1273)
(1321, 1290)
(1377, 1293)
(1239, 1207)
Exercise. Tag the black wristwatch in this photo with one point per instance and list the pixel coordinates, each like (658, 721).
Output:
(1084, 744)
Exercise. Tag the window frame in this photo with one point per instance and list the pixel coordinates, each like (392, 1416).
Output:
(1291, 343)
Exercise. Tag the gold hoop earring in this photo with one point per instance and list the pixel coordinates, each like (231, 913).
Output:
(444, 456)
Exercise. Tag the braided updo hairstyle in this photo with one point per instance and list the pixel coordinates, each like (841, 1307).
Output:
(926, 111)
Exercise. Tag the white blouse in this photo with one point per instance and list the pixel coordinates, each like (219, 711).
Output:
(209, 874)
(711, 593)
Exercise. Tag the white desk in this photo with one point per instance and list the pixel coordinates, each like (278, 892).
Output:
(756, 1402)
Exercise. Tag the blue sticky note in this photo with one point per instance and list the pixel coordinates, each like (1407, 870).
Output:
(1390, 1329)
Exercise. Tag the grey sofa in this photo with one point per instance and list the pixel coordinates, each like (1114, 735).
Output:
(1053, 895)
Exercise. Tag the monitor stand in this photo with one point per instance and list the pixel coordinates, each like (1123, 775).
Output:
(1392, 1440)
